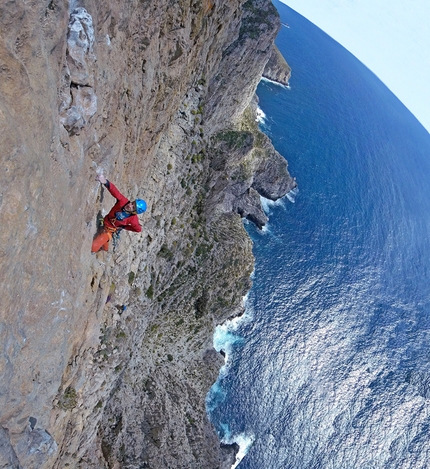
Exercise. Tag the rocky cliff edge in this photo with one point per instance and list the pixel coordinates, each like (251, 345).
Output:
(106, 359)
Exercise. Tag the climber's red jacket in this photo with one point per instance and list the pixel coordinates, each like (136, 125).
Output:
(110, 221)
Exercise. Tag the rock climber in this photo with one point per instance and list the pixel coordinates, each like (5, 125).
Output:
(123, 215)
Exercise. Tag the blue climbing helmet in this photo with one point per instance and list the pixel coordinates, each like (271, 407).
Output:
(140, 206)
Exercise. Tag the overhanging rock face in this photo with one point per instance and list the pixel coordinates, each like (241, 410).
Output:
(106, 360)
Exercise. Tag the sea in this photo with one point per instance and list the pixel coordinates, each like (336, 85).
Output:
(329, 367)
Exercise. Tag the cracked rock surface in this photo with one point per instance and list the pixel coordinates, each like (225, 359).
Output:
(79, 98)
(106, 359)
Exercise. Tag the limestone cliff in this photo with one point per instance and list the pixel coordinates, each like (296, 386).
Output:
(106, 359)
(277, 69)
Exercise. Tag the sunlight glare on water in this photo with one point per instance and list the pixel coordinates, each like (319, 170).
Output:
(332, 367)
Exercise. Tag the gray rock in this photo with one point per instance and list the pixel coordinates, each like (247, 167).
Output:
(84, 106)
(248, 206)
(32, 448)
(40, 442)
(271, 178)
(78, 98)
(277, 68)
(8, 457)
(80, 40)
(228, 453)
(254, 169)
(174, 126)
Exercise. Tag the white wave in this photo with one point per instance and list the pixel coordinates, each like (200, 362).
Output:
(261, 116)
(215, 396)
(287, 87)
(225, 431)
(224, 339)
(291, 196)
(265, 229)
(269, 204)
(246, 296)
(224, 336)
(245, 442)
(248, 315)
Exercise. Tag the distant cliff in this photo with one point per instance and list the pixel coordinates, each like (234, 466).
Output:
(277, 68)
(106, 359)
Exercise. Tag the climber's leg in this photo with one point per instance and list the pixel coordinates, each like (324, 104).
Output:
(101, 241)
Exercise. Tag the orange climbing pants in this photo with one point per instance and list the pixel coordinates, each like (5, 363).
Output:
(101, 241)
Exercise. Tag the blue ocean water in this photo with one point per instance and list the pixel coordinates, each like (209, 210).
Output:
(330, 367)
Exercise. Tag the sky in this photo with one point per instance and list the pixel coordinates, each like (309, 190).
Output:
(390, 37)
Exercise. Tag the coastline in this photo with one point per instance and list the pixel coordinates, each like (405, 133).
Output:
(286, 86)
(224, 339)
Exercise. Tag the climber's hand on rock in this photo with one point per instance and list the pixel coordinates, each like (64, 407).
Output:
(101, 178)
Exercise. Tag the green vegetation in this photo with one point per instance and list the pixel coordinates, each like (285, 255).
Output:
(150, 292)
(201, 305)
(131, 277)
(165, 252)
(254, 18)
(246, 170)
(197, 111)
(190, 419)
(203, 249)
(198, 158)
(69, 399)
(233, 138)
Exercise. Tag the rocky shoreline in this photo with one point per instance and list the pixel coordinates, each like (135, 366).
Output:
(107, 359)
(277, 68)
